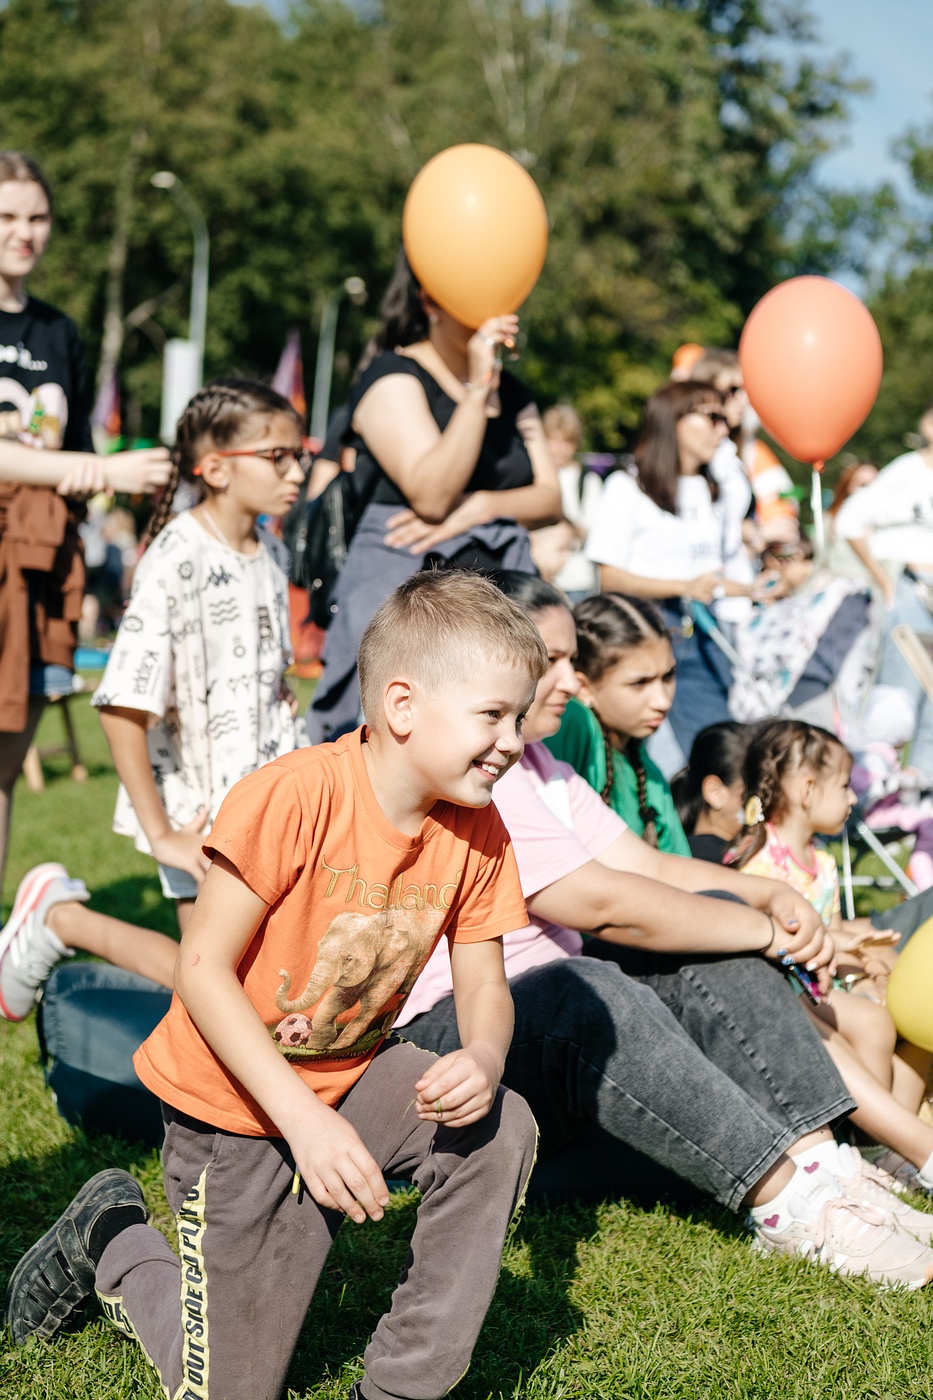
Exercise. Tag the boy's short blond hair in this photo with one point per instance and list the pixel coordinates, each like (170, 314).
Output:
(440, 627)
(563, 421)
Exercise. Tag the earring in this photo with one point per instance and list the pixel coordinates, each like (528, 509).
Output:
(432, 318)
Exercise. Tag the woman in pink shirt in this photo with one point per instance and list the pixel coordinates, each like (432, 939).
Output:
(709, 1068)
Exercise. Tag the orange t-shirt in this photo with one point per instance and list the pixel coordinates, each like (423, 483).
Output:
(356, 908)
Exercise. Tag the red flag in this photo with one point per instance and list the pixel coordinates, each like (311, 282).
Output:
(289, 378)
(106, 413)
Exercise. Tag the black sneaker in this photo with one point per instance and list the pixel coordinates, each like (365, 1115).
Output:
(52, 1279)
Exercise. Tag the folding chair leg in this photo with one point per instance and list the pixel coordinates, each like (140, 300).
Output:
(871, 840)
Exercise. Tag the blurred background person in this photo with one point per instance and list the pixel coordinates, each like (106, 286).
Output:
(558, 550)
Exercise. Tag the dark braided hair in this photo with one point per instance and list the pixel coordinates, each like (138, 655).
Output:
(608, 625)
(779, 748)
(217, 416)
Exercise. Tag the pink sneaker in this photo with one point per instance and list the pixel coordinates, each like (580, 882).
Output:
(869, 1185)
(28, 949)
(849, 1238)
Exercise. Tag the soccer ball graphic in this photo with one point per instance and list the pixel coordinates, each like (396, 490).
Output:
(294, 1030)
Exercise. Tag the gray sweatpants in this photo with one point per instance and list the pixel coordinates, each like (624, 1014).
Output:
(221, 1322)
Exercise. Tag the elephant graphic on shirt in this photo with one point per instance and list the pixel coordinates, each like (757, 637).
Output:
(364, 961)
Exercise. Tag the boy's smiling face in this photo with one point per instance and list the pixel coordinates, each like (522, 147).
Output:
(462, 737)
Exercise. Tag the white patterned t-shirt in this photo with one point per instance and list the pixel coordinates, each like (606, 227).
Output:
(203, 648)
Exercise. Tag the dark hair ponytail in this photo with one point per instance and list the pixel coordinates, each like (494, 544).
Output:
(215, 417)
(404, 319)
(718, 752)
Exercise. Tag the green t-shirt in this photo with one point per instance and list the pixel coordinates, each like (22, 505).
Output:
(579, 742)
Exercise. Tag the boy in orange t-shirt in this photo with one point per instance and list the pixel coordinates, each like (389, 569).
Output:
(335, 871)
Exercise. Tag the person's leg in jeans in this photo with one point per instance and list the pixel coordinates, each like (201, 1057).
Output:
(591, 1044)
(250, 1249)
(746, 1020)
(703, 678)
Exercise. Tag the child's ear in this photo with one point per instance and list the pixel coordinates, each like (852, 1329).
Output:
(711, 789)
(214, 471)
(397, 706)
(807, 789)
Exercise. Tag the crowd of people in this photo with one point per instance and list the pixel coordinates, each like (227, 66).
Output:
(544, 859)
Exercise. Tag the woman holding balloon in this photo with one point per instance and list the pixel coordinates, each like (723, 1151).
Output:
(451, 456)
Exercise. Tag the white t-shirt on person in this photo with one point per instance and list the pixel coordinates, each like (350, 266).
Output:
(634, 534)
(895, 510)
(203, 648)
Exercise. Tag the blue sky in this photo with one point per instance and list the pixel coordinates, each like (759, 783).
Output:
(891, 43)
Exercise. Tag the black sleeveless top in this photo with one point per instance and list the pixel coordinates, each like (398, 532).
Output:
(503, 462)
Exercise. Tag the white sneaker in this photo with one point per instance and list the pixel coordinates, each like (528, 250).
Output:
(870, 1185)
(28, 949)
(849, 1238)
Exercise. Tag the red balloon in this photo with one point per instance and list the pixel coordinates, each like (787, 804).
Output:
(811, 356)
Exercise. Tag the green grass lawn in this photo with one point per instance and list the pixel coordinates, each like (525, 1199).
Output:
(607, 1301)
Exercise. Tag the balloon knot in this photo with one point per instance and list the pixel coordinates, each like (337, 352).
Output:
(818, 466)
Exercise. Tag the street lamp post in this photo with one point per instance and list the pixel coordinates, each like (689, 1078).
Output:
(167, 180)
(355, 289)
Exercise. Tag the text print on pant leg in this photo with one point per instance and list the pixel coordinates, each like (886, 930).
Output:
(195, 1352)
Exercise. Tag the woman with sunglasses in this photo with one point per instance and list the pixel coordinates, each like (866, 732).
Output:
(667, 534)
(452, 461)
(194, 694)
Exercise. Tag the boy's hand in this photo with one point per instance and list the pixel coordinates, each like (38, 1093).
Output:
(181, 849)
(337, 1168)
(459, 1088)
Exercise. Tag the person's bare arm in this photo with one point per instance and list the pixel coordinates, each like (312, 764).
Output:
(335, 1165)
(180, 848)
(802, 926)
(862, 551)
(83, 473)
(702, 588)
(464, 1083)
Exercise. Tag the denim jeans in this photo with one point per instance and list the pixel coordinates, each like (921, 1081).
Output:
(909, 607)
(703, 679)
(593, 1046)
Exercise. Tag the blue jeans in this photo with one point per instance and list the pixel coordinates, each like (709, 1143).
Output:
(703, 679)
(713, 1087)
(909, 607)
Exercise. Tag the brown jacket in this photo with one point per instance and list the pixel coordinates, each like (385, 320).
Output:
(39, 611)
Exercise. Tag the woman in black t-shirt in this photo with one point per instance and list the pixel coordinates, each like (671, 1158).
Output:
(453, 460)
(44, 406)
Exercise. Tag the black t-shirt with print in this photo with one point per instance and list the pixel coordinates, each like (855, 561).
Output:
(44, 391)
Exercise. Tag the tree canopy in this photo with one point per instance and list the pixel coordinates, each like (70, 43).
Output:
(674, 151)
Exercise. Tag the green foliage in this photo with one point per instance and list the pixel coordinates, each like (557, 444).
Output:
(673, 150)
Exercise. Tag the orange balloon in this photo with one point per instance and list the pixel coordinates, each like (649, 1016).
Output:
(475, 231)
(811, 356)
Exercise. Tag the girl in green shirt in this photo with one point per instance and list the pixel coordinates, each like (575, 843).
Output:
(626, 665)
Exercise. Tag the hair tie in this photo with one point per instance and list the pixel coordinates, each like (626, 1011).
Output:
(753, 811)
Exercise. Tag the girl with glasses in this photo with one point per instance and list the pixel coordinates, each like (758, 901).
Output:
(194, 694)
(667, 534)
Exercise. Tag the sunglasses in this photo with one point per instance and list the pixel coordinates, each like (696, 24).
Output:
(718, 419)
(282, 458)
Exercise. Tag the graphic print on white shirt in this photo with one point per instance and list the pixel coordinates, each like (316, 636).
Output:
(203, 649)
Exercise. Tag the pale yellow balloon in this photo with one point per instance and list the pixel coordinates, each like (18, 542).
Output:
(910, 989)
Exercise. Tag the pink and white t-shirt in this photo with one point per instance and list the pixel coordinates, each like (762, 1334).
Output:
(557, 824)
(817, 882)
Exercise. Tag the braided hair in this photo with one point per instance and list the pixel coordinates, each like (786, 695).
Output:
(778, 749)
(608, 625)
(217, 416)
